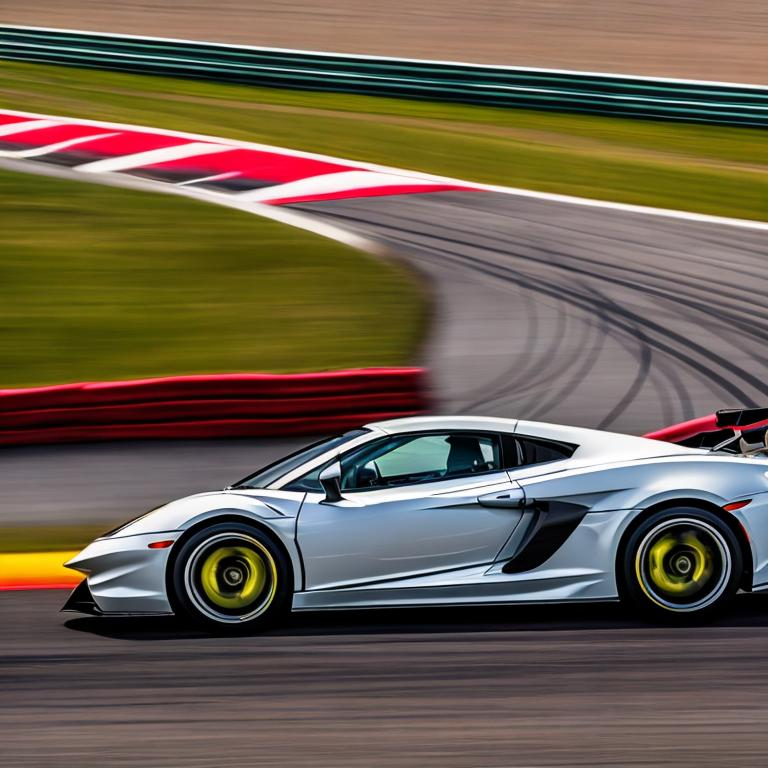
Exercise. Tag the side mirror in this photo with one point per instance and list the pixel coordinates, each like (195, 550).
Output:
(330, 479)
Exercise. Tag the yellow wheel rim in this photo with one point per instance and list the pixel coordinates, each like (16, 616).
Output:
(231, 577)
(683, 564)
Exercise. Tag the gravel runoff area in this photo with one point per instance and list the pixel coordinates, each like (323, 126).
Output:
(708, 39)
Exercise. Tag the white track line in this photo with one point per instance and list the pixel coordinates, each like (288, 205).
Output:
(547, 196)
(215, 177)
(48, 148)
(283, 215)
(152, 157)
(330, 183)
(26, 125)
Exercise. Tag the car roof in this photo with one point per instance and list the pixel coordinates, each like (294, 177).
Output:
(592, 443)
(419, 423)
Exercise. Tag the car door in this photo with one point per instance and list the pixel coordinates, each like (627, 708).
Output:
(549, 517)
(411, 504)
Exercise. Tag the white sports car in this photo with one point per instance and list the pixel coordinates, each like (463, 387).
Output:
(451, 511)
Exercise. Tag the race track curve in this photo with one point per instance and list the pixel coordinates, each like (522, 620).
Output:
(590, 316)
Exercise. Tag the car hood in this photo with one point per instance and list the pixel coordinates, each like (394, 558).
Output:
(185, 512)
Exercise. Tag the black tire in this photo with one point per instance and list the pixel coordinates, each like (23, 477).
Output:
(681, 564)
(230, 577)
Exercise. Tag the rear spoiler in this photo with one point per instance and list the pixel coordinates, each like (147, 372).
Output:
(741, 417)
(708, 431)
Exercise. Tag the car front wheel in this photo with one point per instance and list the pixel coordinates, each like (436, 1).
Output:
(681, 563)
(231, 577)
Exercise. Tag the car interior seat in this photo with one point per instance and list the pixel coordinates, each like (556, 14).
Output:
(465, 455)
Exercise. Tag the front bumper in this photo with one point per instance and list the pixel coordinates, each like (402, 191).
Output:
(81, 600)
(123, 576)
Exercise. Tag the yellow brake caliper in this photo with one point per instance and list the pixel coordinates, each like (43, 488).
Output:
(679, 584)
(246, 580)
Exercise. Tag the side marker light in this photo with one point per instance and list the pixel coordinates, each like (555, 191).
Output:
(734, 505)
(160, 544)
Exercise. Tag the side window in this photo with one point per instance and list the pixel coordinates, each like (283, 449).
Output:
(408, 459)
(523, 451)
(309, 483)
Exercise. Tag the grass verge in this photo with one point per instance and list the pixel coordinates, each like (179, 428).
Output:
(102, 283)
(708, 169)
(48, 538)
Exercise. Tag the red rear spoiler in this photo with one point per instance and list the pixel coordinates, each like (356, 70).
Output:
(721, 424)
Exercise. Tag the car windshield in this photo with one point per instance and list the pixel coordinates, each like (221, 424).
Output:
(273, 472)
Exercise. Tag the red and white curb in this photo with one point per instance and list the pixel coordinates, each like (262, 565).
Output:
(245, 175)
(252, 172)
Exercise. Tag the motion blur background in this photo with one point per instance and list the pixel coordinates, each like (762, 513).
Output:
(641, 315)
(701, 39)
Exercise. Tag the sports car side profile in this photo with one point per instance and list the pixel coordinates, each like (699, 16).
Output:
(434, 511)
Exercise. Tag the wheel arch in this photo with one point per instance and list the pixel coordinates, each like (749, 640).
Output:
(745, 581)
(227, 516)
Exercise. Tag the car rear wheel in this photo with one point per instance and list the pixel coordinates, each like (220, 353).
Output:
(681, 563)
(231, 577)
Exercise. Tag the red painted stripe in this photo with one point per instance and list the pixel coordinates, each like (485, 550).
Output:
(41, 585)
(56, 133)
(262, 165)
(253, 164)
(6, 119)
(400, 189)
(124, 143)
(131, 142)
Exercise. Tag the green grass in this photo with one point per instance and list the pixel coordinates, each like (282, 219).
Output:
(700, 168)
(103, 283)
(48, 538)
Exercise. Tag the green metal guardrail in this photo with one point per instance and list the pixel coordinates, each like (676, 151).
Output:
(596, 93)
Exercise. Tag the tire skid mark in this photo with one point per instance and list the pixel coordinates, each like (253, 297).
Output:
(511, 275)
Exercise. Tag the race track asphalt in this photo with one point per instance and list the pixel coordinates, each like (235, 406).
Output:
(579, 315)
(106, 483)
(555, 686)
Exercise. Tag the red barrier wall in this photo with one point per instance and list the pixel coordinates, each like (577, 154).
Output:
(210, 406)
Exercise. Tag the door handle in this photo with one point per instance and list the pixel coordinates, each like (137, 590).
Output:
(503, 500)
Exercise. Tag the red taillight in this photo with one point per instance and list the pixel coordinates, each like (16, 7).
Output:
(734, 505)
(160, 544)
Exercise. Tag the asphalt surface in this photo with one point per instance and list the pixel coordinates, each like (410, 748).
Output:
(111, 482)
(581, 315)
(578, 686)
